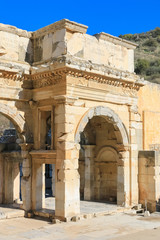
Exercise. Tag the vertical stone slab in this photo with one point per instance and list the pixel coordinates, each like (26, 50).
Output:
(16, 180)
(38, 186)
(135, 127)
(53, 180)
(89, 172)
(148, 179)
(123, 179)
(26, 187)
(1, 178)
(8, 183)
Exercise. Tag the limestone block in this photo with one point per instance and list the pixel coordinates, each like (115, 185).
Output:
(64, 118)
(65, 145)
(66, 137)
(64, 128)
(68, 165)
(68, 175)
(74, 154)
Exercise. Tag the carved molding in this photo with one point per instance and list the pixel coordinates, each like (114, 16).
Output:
(130, 83)
(15, 76)
(45, 79)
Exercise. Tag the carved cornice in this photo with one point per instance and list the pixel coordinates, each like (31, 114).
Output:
(46, 79)
(116, 81)
(111, 77)
(15, 76)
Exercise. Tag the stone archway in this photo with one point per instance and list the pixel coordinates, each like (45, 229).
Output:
(14, 116)
(10, 155)
(119, 150)
(108, 114)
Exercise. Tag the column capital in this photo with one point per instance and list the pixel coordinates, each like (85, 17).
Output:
(89, 150)
(26, 146)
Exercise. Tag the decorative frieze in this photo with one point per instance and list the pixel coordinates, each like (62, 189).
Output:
(112, 78)
(16, 76)
(45, 79)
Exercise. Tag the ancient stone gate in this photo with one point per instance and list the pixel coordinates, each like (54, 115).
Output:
(73, 100)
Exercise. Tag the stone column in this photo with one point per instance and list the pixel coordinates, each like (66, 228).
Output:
(16, 180)
(123, 179)
(53, 180)
(89, 172)
(26, 187)
(67, 176)
(38, 185)
(1, 178)
(8, 181)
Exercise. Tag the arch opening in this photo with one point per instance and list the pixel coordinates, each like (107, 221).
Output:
(101, 139)
(10, 162)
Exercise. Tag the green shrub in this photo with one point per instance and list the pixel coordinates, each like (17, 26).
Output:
(155, 70)
(141, 66)
(156, 32)
(150, 43)
(127, 36)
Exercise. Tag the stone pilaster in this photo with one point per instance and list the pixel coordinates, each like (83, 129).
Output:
(123, 179)
(67, 176)
(135, 132)
(89, 172)
(26, 186)
(53, 180)
(38, 185)
(1, 178)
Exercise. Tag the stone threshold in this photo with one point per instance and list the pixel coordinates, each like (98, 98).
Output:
(50, 215)
(9, 213)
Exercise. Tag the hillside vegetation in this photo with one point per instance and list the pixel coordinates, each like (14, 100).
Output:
(147, 54)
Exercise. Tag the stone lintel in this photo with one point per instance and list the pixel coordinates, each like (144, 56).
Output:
(62, 24)
(115, 40)
(44, 156)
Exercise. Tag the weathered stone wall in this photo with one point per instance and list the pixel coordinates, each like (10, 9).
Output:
(149, 108)
(101, 49)
(149, 179)
(15, 44)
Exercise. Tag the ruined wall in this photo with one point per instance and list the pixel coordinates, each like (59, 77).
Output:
(149, 179)
(101, 49)
(15, 44)
(48, 45)
(149, 108)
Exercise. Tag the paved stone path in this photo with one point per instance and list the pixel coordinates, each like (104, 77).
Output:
(85, 206)
(120, 226)
(7, 211)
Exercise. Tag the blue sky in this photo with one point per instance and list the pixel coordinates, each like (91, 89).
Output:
(113, 17)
